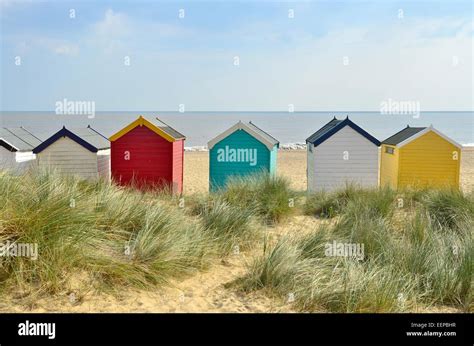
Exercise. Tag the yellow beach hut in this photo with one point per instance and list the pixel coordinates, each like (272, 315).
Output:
(420, 157)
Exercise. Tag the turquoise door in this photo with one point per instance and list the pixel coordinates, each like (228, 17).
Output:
(238, 154)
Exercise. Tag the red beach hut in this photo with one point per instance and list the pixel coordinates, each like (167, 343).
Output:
(148, 154)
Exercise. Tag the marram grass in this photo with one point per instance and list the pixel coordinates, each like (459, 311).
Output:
(424, 261)
(117, 235)
(270, 197)
(416, 254)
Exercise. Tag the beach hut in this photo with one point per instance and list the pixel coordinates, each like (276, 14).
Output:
(16, 148)
(241, 150)
(148, 154)
(340, 153)
(83, 152)
(420, 156)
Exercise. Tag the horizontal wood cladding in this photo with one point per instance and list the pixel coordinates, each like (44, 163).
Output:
(429, 161)
(68, 157)
(345, 157)
(103, 163)
(7, 158)
(178, 166)
(143, 157)
(221, 170)
(389, 167)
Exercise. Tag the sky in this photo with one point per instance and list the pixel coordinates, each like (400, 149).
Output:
(242, 55)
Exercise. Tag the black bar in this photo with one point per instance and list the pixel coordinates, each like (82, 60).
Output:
(290, 329)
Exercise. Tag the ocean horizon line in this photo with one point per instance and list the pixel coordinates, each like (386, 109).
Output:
(288, 127)
(291, 146)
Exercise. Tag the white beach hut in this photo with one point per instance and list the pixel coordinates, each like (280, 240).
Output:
(82, 152)
(340, 153)
(16, 149)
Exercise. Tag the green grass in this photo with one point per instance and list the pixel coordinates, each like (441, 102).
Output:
(449, 209)
(324, 205)
(328, 205)
(118, 236)
(419, 255)
(298, 268)
(426, 260)
(269, 197)
(230, 226)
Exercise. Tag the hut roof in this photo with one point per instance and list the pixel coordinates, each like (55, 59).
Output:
(156, 125)
(87, 137)
(409, 134)
(18, 139)
(402, 135)
(262, 133)
(333, 127)
(252, 130)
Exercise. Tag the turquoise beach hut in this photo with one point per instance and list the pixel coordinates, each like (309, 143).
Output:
(242, 150)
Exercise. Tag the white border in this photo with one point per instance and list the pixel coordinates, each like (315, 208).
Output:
(18, 150)
(422, 132)
(240, 126)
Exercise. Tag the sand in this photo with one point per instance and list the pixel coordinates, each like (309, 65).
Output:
(205, 291)
(292, 165)
(467, 169)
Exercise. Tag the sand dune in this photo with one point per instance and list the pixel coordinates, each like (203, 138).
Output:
(205, 291)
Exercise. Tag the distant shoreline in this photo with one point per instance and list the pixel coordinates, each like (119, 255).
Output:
(291, 129)
(295, 146)
(287, 146)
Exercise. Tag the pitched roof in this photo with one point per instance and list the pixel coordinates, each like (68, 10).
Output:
(402, 135)
(323, 130)
(87, 137)
(18, 139)
(333, 127)
(409, 134)
(156, 125)
(264, 134)
(252, 130)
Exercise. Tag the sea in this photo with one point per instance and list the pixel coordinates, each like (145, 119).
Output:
(290, 128)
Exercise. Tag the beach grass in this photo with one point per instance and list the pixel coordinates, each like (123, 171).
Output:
(270, 197)
(118, 236)
(423, 261)
(232, 227)
(417, 255)
(330, 204)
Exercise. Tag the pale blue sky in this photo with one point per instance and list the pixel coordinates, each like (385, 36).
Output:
(425, 56)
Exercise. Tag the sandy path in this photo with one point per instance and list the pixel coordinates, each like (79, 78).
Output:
(203, 292)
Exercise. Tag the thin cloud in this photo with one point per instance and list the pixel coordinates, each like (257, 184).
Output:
(67, 49)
